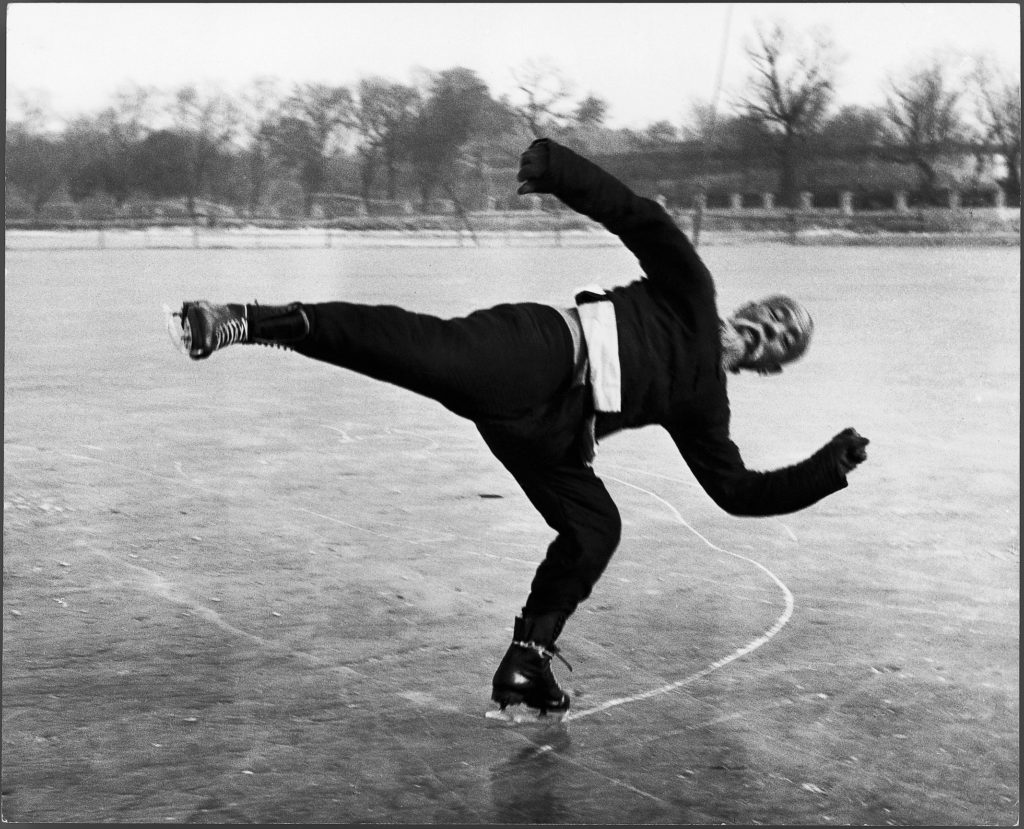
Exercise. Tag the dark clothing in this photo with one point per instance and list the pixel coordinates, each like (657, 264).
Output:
(575, 504)
(670, 348)
(510, 370)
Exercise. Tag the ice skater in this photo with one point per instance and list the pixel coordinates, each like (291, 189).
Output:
(544, 385)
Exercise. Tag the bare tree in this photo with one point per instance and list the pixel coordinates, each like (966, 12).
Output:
(660, 134)
(35, 155)
(132, 113)
(789, 92)
(924, 118)
(852, 130)
(382, 115)
(591, 111)
(545, 103)
(101, 148)
(33, 164)
(259, 103)
(454, 110)
(308, 133)
(208, 121)
(999, 113)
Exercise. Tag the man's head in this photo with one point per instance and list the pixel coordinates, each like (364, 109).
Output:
(763, 336)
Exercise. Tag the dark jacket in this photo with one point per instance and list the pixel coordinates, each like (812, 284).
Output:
(670, 348)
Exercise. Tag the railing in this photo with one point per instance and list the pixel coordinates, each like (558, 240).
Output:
(509, 229)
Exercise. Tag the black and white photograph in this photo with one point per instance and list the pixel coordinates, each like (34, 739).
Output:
(512, 414)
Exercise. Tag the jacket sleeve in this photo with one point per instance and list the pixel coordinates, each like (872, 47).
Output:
(718, 467)
(663, 250)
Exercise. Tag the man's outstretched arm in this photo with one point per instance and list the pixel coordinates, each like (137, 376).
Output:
(716, 464)
(663, 250)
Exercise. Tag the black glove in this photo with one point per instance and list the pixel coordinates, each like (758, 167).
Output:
(533, 168)
(847, 449)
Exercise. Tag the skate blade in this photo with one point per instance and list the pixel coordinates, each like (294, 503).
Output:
(180, 336)
(524, 715)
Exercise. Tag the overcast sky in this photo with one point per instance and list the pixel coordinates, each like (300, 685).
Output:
(648, 61)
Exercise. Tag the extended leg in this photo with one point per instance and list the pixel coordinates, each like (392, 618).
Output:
(499, 362)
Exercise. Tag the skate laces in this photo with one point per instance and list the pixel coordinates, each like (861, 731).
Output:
(230, 331)
(544, 653)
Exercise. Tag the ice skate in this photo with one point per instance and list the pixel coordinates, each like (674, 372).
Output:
(200, 327)
(524, 686)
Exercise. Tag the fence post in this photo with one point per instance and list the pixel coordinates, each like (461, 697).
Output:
(806, 200)
(954, 199)
(846, 202)
(901, 202)
(735, 201)
(1000, 198)
(768, 201)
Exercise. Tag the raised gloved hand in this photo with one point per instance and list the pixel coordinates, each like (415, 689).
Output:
(533, 169)
(848, 449)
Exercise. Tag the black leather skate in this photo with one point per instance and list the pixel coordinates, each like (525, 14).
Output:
(524, 674)
(201, 328)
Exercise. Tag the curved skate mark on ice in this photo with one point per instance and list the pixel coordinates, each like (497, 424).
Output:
(684, 482)
(720, 663)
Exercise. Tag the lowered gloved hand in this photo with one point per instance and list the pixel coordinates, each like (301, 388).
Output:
(847, 449)
(533, 169)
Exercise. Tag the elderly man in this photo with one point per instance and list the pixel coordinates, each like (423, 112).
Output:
(543, 385)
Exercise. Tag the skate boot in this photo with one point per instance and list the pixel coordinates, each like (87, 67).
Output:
(201, 328)
(524, 675)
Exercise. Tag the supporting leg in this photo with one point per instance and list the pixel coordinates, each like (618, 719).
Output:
(575, 503)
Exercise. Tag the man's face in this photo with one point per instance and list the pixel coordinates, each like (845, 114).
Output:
(774, 330)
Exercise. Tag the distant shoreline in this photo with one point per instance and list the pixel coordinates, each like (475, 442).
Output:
(243, 238)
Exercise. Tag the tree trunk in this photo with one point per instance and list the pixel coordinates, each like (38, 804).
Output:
(426, 188)
(257, 165)
(928, 175)
(1011, 184)
(391, 167)
(367, 175)
(787, 171)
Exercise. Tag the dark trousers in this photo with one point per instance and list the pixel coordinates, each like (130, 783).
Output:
(509, 369)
